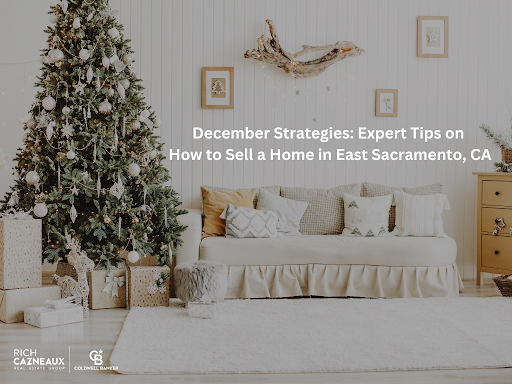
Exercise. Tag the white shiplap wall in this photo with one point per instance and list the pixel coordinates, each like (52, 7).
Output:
(174, 39)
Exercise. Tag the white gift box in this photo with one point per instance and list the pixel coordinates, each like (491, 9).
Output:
(202, 310)
(52, 314)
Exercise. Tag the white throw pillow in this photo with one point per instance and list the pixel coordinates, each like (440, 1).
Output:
(420, 215)
(366, 216)
(289, 211)
(244, 222)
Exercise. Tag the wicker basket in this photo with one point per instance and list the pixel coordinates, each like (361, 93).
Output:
(504, 285)
(506, 155)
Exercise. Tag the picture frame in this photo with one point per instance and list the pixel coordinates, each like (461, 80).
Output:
(433, 36)
(386, 102)
(218, 88)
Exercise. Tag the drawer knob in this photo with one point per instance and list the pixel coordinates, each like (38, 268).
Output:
(496, 193)
(496, 252)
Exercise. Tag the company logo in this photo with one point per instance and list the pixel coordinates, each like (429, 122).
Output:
(28, 360)
(96, 357)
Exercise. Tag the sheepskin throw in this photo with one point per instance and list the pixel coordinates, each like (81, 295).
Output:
(193, 280)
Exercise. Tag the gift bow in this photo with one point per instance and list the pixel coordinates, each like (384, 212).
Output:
(60, 304)
(13, 214)
(112, 283)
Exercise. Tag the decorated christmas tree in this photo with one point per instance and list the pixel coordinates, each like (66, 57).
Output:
(92, 165)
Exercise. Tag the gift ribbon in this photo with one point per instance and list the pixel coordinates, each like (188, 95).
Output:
(60, 304)
(112, 283)
(13, 214)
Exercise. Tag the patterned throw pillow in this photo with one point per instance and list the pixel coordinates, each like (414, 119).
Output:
(244, 222)
(373, 190)
(366, 216)
(324, 216)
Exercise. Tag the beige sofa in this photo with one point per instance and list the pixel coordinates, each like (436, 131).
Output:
(328, 265)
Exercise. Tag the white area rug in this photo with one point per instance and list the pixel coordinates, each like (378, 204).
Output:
(319, 335)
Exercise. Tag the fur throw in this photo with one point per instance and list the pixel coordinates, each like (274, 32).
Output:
(193, 280)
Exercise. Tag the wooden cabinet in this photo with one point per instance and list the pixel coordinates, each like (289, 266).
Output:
(494, 252)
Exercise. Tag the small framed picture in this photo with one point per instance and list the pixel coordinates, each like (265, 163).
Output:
(386, 102)
(432, 36)
(217, 88)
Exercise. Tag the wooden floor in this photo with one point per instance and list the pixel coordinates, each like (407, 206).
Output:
(101, 329)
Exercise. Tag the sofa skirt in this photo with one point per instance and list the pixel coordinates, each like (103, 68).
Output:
(343, 281)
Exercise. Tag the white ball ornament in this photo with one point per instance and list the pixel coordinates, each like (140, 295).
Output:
(56, 55)
(84, 54)
(66, 110)
(53, 18)
(40, 209)
(158, 122)
(71, 155)
(32, 178)
(133, 169)
(113, 32)
(49, 103)
(105, 107)
(133, 256)
(111, 92)
(31, 123)
(76, 23)
(136, 124)
(145, 113)
(152, 154)
(125, 83)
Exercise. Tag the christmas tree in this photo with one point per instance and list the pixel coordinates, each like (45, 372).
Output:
(92, 166)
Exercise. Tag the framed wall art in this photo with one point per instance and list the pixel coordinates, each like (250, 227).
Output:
(217, 88)
(432, 36)
(386, 102)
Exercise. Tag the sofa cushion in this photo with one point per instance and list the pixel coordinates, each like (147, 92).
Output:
(246, 222)
(331, 250)
(274, 189)
(373, 190)
(216, 201)
(366, 216)
(324, 215)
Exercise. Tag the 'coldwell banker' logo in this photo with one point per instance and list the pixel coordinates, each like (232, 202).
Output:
(96, 357)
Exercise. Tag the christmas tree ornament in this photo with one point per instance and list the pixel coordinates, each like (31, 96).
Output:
(30, 124)
(105, 107)
(66, 110)
(120, 89)
(76, 23)
(136, 124)
(91, 15)
(40, 209)
(113, 58)
(144, 163)
(67, 130)
(14, 199)
(58, 64)
(64, 5)
(133, 169)
(125, 83)
(83, 54)
(119, 66)
(25, 138)
(49, 130)
(165, 216)
(106, 220)
(74, 190)
(94, 152)
(133, 256)
(123, 130)
(158, 122)
(111, 92)
(55, 55)
(113, 32)
(89, 74)
(53, 18)
(98, 84)
(152, 154)
(135, 220)
(150, 229)
(49, 103)
(98, 185)
(89, 110)
(127, 59)
(72, 213)
(105, 62)
(79, 88)
(32, 178)
(58, 174)
(71, 155)
(118, 188)
(115, 141)
(119, 229)
(145, 113)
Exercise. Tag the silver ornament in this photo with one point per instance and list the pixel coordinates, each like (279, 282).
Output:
(113, 32)
(70, 155)
(133, 169)
(89, 74)
(118, 188)
(84, 54)
(40, 209)
(105, 107)
(76, 23)
(49, 130)
(66, 110)
(119, 66)
(56, 55)
(72, 213)
(31, 124)
(133, 256)
(127, 59)
(105, 62)
(49, 103)
(125, 83)
(64, 5)
(136, 124)
(32, 178)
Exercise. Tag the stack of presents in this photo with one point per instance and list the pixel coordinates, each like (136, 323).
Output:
(23, 297)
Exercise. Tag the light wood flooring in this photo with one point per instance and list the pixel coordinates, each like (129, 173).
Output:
(101, 329)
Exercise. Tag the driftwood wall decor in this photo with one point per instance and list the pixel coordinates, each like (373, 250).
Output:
(271, 52)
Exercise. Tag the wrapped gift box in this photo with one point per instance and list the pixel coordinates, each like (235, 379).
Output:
(54, 313)
(107, 290)
(202, 310)
(141, 287)
(14, 301)
(20, 253)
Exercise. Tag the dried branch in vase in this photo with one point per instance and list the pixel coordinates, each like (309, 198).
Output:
(271, 52)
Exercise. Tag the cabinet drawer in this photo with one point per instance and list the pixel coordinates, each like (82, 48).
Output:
(489, 215)
(497, 193)
(500, 244)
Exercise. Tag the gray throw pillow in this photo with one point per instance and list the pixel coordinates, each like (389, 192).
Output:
(244, 222)
(290, 211)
